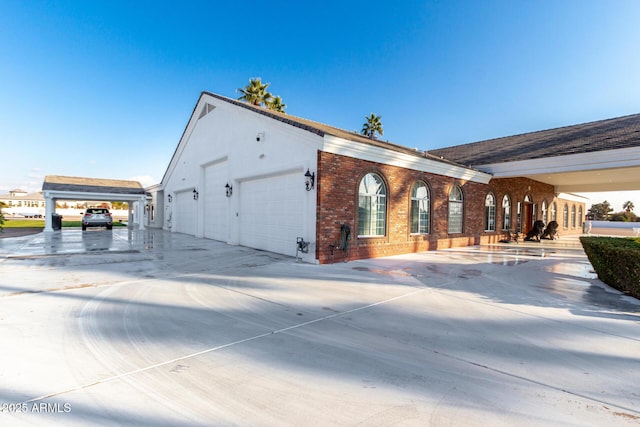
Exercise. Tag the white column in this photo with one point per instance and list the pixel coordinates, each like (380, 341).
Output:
(49, 209)
(129, 214)
(140, 211)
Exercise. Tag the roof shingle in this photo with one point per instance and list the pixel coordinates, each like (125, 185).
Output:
(616, 133)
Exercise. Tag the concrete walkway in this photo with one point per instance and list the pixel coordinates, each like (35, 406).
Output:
(151, 328)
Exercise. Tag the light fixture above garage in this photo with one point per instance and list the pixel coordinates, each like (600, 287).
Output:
(169, 198)
(311, 179)
(195, 194)
(229, 189)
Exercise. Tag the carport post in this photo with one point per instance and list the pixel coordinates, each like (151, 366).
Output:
(140, 211)
(49, 210)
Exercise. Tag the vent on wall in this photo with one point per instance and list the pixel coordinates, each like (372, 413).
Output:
(206, 110)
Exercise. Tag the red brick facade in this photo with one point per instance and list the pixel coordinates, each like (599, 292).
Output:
(337, 200)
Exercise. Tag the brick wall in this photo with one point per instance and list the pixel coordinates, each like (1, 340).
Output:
(337, 192)
(518, 188)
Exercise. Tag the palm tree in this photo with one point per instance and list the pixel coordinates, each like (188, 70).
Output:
(372, 126)
(276, 104)
(628, 206)
(255, 93)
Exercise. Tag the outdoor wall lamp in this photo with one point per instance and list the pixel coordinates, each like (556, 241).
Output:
(229, 189)
(195, 194)
(311, 179)
(169, 198)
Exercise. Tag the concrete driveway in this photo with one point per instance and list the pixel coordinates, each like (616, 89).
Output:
(150, 328)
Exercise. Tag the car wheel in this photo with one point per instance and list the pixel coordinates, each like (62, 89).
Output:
(84, 227)
(109, 227)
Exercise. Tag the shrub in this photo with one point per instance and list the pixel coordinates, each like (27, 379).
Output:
(616, 261)
(624, 217)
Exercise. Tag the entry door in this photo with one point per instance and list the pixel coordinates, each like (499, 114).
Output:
(527, 217)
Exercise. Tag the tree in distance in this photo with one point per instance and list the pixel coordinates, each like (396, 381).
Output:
(600, 211)
(628, 206)
(276, 104)
(256, 93)
(372, 126)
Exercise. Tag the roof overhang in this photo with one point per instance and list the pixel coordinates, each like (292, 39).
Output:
(610, 170)
(78, 188)
(336, 145)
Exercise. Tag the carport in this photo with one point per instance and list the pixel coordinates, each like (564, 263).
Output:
(589, 157)
(56, 187)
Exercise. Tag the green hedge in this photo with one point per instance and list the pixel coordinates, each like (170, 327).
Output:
(616, 261)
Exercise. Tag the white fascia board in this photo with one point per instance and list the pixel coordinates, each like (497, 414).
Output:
(624, 157)
(105, 197)
(342, 147)
(573, 197)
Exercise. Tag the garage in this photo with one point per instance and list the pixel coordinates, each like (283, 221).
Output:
(184, 216)
(216, 204)
(272, 212)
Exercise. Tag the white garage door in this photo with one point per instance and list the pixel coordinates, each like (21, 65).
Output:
(216, 203)
(184, 214)
(271, 213)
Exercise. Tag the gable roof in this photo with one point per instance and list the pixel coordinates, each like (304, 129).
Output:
(321, 129)
(91, 185)
(610, 134)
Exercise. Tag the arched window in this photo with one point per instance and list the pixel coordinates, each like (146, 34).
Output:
(580, 217)
(506, 213)
(490, 212)
(573, 216)
(543, 209)
(554, 212)
(372, 206)
(456, 209)
(420, 211)
(565, 216)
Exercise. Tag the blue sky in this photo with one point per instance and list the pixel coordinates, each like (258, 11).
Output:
(105, 89)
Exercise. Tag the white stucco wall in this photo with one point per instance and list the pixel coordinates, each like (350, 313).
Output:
(227, 139)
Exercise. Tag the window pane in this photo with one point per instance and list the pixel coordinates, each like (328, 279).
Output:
(490, 213)
(420, 209)
(364, 215)
(455, 210)
(506, 213)
(455, 217)
(371, 206)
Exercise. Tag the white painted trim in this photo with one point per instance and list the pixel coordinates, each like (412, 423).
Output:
(609, 159)
(372, 153)
(573, 197)
(279, 171)
(78, 195)
(215, 161)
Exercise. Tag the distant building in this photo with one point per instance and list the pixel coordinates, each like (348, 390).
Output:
(21, 203)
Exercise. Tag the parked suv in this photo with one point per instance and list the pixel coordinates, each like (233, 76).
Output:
(97, 217)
